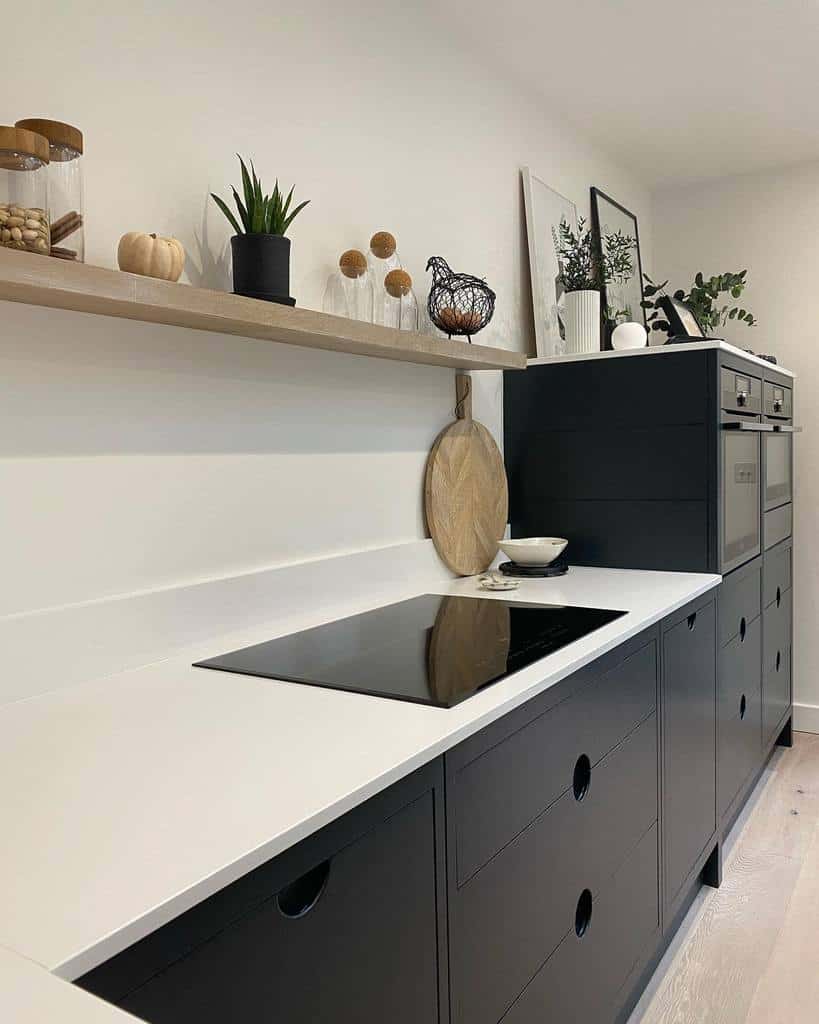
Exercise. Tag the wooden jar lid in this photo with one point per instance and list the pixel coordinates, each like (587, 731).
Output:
(23, 140)
(57, 132)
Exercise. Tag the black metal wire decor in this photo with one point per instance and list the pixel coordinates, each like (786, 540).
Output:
(458, 304)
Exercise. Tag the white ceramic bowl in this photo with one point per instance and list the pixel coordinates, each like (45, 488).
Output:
(533, 550)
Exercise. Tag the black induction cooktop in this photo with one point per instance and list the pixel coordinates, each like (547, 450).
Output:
(430, 650)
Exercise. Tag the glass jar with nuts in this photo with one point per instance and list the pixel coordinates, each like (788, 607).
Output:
(65, 185)
(24, 222)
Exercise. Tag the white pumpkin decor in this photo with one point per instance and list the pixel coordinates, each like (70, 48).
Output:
(151, 255)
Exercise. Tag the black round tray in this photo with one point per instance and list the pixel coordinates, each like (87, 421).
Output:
(557, 568)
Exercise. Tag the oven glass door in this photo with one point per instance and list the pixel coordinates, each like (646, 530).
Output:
(741, 514)
(778, 469)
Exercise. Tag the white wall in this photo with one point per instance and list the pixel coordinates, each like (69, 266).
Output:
(768, 223)
(135, 456)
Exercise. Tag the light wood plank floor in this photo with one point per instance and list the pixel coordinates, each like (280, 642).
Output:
(748, 952)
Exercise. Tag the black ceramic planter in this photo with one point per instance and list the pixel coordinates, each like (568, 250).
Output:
(261, 267)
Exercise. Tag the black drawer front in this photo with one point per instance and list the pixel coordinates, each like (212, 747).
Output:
(776, 574)
(739, 601)
(583, 981)
(776, 664)
(515, 911)
(739, 741)
(360, 944)
(740, 667)
(689, 749)
(777, 526)
(499, 793)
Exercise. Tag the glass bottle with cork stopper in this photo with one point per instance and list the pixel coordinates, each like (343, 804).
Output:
(349, 290)
(24, 222)
(396, 306)
(65, 185)
(381, 259)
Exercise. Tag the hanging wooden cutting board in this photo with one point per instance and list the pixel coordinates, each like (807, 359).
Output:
(465, 494)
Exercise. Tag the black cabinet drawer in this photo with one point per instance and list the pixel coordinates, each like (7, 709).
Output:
(500, 791)
(689, 747)
(739, 739)
(776, 664)
(513, 913)
(740, 667)
(347, 927)
(777, 526)
(739, 600)
(776, 573)
(583, 981)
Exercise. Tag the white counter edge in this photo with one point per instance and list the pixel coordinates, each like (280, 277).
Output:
(694, 346)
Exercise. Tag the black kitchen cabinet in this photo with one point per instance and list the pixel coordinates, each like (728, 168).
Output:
(689, 742)
(776, 664)
(348, 927)
(739, 704)
(678, 461)
(579, 766)
(527, 875)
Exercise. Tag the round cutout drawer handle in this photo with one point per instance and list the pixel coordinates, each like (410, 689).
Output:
(583, 913)
(581, 779)
(778, 597)
(743, 627)
(743, 704)
(692, 620)
(299, 897)
(778, 660)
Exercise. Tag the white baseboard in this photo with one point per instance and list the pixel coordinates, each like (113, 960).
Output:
(806, 717)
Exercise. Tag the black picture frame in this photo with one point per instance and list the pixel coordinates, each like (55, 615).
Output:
(681, 318)
(601, 206)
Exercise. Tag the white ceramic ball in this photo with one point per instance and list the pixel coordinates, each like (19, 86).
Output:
(628, 336)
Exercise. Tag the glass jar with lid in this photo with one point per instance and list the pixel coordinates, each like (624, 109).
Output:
(65, 185)
(24, 222)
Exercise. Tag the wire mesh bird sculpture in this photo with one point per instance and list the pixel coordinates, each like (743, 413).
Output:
(458, 304)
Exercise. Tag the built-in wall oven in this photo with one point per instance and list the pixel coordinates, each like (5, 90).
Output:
(777, 463)
(741, 472)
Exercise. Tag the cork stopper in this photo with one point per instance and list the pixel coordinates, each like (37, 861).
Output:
(398, 283)
(382, 245)
(352, 263)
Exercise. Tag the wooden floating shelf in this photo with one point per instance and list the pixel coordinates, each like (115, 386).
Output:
(60, 284)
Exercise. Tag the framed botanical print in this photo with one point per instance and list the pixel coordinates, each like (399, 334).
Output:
(545, 208)
(617, 244)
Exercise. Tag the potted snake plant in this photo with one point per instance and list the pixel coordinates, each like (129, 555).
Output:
(260, 248)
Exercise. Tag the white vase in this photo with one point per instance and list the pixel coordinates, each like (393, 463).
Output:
(582, 320)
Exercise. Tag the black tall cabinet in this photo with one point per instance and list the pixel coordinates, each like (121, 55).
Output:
(676, 460)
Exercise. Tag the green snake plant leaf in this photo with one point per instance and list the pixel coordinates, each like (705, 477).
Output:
(223, 206)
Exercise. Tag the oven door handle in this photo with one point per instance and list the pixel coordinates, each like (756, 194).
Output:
(750, 428)
(781, 428)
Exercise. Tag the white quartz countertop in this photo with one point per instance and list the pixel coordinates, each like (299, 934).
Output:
(30, 995)
(648, 350)
(127, 800)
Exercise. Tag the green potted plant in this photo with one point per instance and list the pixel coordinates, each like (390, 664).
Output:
(261, 252)
(578, 277)
(703, 298)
